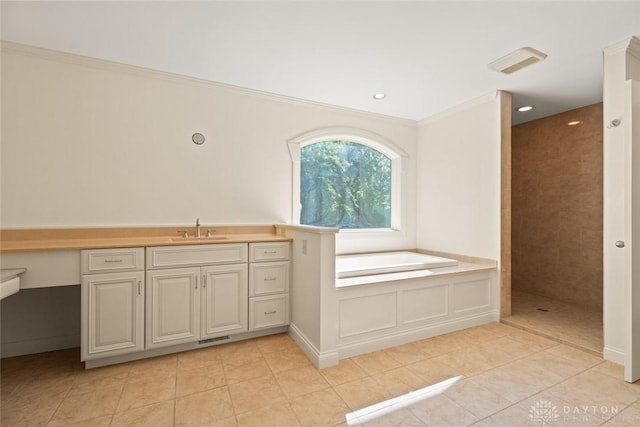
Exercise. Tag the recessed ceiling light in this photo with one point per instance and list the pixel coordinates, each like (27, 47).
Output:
(525, 108)
(380, 95)
(575, 122)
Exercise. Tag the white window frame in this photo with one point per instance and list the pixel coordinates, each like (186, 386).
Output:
(372, 140)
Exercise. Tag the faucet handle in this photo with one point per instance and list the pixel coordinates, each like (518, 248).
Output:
(209, 233)
(185, 233)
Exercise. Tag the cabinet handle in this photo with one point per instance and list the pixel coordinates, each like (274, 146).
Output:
(113, 260)
(270, 312)
(204, 281)
(196, 282)
(139, 290)
(270, 252)
(269, 279)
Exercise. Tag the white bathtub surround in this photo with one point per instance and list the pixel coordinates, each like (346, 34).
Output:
(387, 262)
(335, 319)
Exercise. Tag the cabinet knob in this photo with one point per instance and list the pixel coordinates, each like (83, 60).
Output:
(619, 244)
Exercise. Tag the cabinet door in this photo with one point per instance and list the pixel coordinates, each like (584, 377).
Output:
(224, 300)
(112, 314)
(173, 307)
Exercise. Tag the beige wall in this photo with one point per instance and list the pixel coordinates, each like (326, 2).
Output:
(459, 179)
(94, 143)
(557, 207)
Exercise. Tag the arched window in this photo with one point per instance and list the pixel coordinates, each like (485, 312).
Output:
(344, 184)
(346, 178)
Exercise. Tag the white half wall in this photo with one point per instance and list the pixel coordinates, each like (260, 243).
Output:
(87, 142)
(458, 161)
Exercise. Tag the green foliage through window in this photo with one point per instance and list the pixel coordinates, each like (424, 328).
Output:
(344, 184)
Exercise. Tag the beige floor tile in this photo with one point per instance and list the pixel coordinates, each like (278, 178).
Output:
(143, 393)
(86, 406)
(475, 398)
(273, 343)
(376, 362)
(433, 371)
(255, 394)
(277, 415)
(516, 348)
(406, 354)
(578, 325)
(36, 388)
(249, 382)
(592, 388)
(550, 362)
(347, 370)
(491, 354)
(199, 358)
(280, 361)
(239, 353)
(464, 362)
(497, 329)
(399, 381)
(440, 410)
(442, 344)
(201, 379)
(99, 383)
(361, 393)
(300, 381)
(93, 422)
(629, 417)
(205, 408)
(156, 415)
(399, 418)
(38, 412)
(585, 359)
(240, 373)
(99, 374)
(516, 416)
(320, 408)
(609, 368)
(153, 369)
(512, 382)
(555, 411)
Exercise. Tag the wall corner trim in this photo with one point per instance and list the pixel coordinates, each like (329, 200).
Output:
(488, 97)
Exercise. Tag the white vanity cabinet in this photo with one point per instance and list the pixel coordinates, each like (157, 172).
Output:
(268, 285)
(196, 292)
(112, 293)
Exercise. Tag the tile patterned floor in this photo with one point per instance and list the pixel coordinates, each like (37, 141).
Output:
(509, 377)
(570, 323)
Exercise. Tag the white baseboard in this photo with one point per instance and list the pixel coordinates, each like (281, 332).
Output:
(404, 337)
(320, 360)
(613, 354)
(39, 345)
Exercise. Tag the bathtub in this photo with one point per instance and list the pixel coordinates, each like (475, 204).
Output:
(387, 262)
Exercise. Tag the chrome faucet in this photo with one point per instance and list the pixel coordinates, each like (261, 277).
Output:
(197, 227)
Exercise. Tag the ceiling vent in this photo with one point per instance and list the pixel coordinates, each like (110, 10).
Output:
(517, 60)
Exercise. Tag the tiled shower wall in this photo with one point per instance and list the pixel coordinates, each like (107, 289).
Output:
(557, 207)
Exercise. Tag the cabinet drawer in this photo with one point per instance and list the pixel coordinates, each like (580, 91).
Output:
(269, 311)
(268, 278)
(273, 251)
(196, 255)
(106, 260)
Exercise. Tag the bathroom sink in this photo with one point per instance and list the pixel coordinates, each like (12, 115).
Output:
(199, 239)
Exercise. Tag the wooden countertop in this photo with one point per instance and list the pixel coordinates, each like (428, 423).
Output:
(37, 240)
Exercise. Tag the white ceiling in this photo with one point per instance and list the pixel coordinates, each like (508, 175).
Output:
(427, 56)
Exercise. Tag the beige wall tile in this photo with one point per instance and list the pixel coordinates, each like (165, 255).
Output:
(557, 207)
